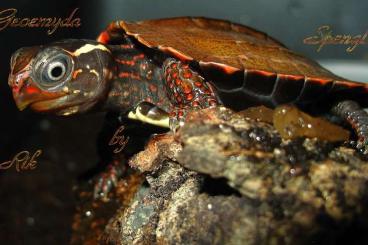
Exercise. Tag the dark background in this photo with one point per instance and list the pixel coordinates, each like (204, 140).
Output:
(36, 207)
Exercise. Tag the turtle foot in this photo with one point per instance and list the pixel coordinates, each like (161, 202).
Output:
(362, 146)
(357, 117)
(177, 118)
(107, 180)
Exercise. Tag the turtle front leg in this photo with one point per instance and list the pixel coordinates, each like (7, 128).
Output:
(108, 179)
(357, 117)
(186, 90)
(111, 166)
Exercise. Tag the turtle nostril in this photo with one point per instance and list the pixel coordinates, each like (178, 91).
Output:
(16, 80)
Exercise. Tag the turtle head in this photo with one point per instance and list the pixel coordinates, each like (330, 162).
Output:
(64, 77)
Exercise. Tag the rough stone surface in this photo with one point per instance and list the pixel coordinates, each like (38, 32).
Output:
(138, 223)
(236, 181)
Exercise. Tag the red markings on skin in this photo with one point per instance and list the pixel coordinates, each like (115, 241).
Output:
(129, 75)
(75, 73)
(127, 46)
(195, 103)
(104, 37)
(198, 84)
(32, 90)
(139, 56)
(180, 114)
(187, 74)
(189, 97)
(124, 74)
(187, 88)
(125, 62)
(265, 73)
(174, 65)
(130, 62)
(177, 82)
(152, 88)
(206, 91)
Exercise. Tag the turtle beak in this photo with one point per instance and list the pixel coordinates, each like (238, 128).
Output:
(24, 89)
(19, 76)
(24, 92)
(27, 93)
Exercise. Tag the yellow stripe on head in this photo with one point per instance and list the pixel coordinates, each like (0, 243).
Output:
(88, 48)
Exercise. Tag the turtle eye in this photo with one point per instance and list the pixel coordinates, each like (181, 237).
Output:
(55, 71)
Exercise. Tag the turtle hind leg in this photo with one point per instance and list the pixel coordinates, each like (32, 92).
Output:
(186, 89)
(357, 117)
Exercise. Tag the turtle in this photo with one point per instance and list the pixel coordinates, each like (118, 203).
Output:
(157, 70)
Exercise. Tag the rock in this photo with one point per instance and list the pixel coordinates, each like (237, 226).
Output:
(92, 215)
(226, 179)
(159, 148)
(138, 224)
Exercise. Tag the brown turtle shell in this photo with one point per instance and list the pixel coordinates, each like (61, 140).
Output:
(244, 63)
(221, 43)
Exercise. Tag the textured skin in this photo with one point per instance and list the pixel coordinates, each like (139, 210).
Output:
(186, 89)
(147, 74)
(357, 118)
(137, 79)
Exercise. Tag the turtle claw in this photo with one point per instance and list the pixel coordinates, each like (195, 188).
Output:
(177, 119)
(107, 180)
(362, 146)
(174, 124)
